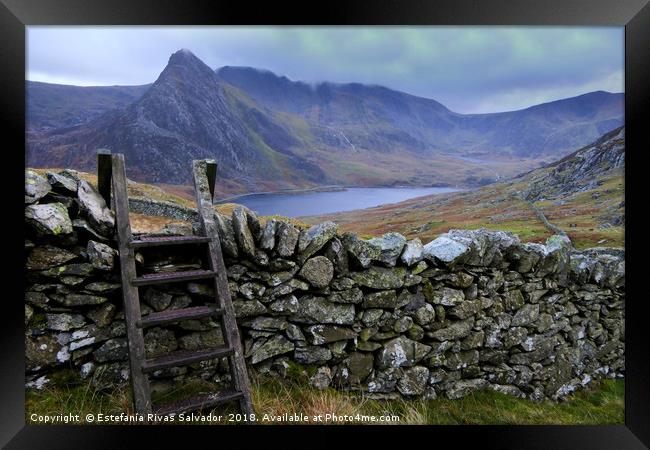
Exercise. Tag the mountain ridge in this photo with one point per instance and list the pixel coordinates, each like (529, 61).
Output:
(329, 134)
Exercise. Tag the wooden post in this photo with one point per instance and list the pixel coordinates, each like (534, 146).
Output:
(104, 169)
(139, 381)
(211, 172)
(237, 363)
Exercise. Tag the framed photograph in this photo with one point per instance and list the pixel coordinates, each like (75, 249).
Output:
(388, 214)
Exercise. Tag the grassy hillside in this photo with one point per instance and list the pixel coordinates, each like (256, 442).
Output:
(497, 207)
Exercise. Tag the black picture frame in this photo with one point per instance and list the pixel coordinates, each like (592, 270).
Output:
(15, 15)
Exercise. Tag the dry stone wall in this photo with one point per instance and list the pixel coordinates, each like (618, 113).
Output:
(387, 316)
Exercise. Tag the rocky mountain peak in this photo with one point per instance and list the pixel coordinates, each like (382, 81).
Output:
(183, 65)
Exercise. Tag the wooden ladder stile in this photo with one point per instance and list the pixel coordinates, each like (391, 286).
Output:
(112, 176)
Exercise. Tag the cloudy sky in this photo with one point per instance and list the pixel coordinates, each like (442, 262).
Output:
(468, 69)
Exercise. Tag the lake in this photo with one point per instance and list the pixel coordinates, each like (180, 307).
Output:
(317, 203)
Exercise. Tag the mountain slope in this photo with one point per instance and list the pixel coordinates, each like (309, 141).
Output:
(186, 114)
(51, 106)
(380, 118)
(580, 171)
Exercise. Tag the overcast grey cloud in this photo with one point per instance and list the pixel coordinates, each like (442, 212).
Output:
(468, 69)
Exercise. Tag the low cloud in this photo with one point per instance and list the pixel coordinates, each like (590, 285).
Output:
(468, 69)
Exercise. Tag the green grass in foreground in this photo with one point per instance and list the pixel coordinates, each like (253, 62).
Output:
(601, 403)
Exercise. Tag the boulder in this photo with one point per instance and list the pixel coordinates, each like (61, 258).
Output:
(81, 300)
(226, 235)
(385, 380)
(362, 252)
(253, 224)
(285, 305)
(462, 388)
(248, 308)
(314, 310)
(286, 239)
(380, 277)
(159, 341)
(354, 295)
(525, 315)
(42, 352)
(425, 314)
(321, 379)
(413, 381)
(274, 346)
(390, 245)
(47, 256)
(158, 300)
(413, 252)
(355, 369)
(36, 187)
(325, 334)
(382, 299)
(287, 288)
(93, 206)
(456, 330)
(312, 355)
(101, 256)
(112, 350)
(251, 290)
(200, 340)
(447, 297)
(446, 250)
(242, 232)
(267, 240)
(266, 324)
(102, 315)
(64, 322)
(401, 352)
(335, 252)
(49, 219)
(315, 238)
(63, 182)
(403, 324)
(318, 271)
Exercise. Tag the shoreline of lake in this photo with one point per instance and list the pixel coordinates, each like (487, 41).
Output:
(313, 202)
(333, 188)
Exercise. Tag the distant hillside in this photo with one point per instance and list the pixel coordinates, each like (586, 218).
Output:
(51, 106)
(583, 195)
(381, 118)
(579, 171)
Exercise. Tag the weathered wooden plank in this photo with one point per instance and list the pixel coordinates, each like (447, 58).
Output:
(104, 169)
(157, 241)
(183, 358)
(171, 277)
(177, 315)
(139, 381)
(237, 363)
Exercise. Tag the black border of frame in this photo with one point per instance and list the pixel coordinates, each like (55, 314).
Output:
(633, 14)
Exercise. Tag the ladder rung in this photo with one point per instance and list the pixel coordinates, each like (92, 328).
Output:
(198, 402)
(169, 277)
(176, 315)
(155, 241)
(184, 357)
